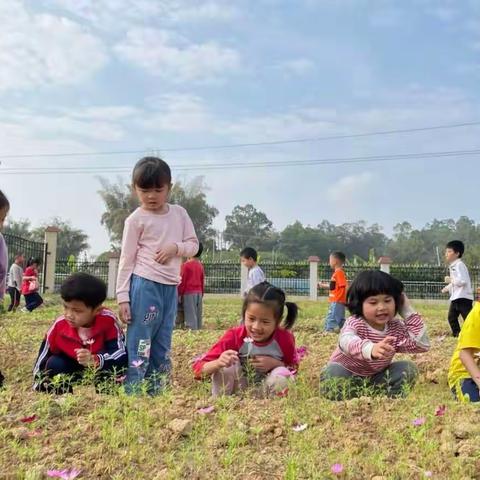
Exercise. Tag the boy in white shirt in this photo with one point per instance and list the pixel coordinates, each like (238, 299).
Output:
(458, 285)
(14, 283)
(248, 257)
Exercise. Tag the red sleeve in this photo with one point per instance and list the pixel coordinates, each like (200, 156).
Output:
(286, 341)
(231, 340)
(203, 280)
(183, 281)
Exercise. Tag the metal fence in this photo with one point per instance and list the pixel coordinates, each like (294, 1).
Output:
(222, 277)
(30, 249)
(64, 268)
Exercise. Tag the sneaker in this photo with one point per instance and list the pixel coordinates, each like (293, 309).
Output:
(24, 309)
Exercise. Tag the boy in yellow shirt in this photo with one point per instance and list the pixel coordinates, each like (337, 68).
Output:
(464, 371)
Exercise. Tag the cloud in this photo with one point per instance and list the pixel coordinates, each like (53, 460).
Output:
(44, 50)
(350, 189)
(297, 66)
(172, 57)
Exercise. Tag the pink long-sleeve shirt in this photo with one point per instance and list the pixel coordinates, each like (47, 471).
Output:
(144, 234)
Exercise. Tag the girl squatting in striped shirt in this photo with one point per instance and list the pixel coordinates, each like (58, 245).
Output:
(362, 363)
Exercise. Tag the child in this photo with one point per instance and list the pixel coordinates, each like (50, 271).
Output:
(4, 208)
(155, 238)
(260, 344)
(15, 279)
(370, 339)
(30, 285)
(464, 372)
(191, 289)
(248, 257)
(337, 296)
(86, 335)
(459, 285)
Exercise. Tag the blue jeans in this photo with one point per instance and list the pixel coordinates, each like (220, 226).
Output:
(149, 336)
(468, 387)
(335, 316)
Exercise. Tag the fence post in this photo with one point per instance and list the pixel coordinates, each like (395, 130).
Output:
(113, 259)
(313, 277)
(51, 234)
(385, 264)
(243, 278)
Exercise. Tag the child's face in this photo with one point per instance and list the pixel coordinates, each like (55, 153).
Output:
(260, 322)
(333, 261)
(78, 314)
(3, 216)
(20, 259)
(153, 199)
(378, 310)
(450, 255)
(248, 262)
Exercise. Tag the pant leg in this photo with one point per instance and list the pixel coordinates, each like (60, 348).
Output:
(33, 300)
(14, 298)
(228, 381)
(159, 369)
(453, 318)
(338, 383)
(190, 311)
(464, 306)
(330, 323)
(199, 311)
(56, 365)
(339, 314)
(469, 390)
(397, 379)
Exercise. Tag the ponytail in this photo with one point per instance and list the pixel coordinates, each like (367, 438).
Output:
(292, 314)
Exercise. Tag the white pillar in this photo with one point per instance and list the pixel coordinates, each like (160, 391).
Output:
(243, 278)
(385, 263)
(51, 234)
(113, 260)
(313, 277)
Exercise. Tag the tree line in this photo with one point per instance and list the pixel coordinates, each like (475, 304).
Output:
(246, 225)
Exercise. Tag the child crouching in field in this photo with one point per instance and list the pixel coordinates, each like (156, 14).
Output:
(362, 362)
(259, 350)
(464, 372)
(85, 336)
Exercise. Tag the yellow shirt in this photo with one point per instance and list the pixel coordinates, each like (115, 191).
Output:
(469, 338)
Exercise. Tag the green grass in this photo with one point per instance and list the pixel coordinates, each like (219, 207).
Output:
(120, 437)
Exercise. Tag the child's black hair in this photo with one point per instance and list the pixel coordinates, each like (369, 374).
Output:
(33, 260)
(85, 288)
(249, 252)
(4, 203)
(338, 255)
(369, 283)
(200, 250)
(151, 172)
(457, 246)
(267, 294)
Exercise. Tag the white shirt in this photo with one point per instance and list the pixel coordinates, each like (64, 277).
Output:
(460, 285)
(15, 276)
(255, 276)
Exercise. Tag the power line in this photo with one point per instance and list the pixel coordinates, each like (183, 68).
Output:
(235, 165)
(242, 145)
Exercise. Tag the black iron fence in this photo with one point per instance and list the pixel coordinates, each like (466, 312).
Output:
(30, 249)
(222, 277)
(64, 268)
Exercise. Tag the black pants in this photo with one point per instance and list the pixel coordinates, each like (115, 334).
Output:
(61, 363)
(33, 300)
(460, 306)
(14, 298)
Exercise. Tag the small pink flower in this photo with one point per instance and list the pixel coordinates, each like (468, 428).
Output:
(248, 340)
(440, 411)
(90, 341)
(64, 474)
(206, 410)
(30, 419)
(428, 474)
(137, 363)
(419, 421)
(300, 427)
(152, 308)
(301, 353)
(337, 468)
(120, 379)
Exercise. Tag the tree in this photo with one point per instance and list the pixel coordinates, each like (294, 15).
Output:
(71, 241)
(120, 201)
(248, 226)
(20, 228)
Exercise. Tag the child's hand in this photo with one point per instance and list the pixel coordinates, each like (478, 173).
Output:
(125, 313)
(405, 308)
(264, 363)
(383, 349)
(84, 357)
(447, 279)
(445, 289)
(165, 253)
(323, 285)
(227, 358)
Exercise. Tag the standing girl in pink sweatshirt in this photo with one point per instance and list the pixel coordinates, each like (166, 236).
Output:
(155, 238)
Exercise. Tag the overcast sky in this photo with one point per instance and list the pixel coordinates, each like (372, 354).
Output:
(81, 76)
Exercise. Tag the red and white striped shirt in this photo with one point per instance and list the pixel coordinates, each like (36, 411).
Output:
(354, 351)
